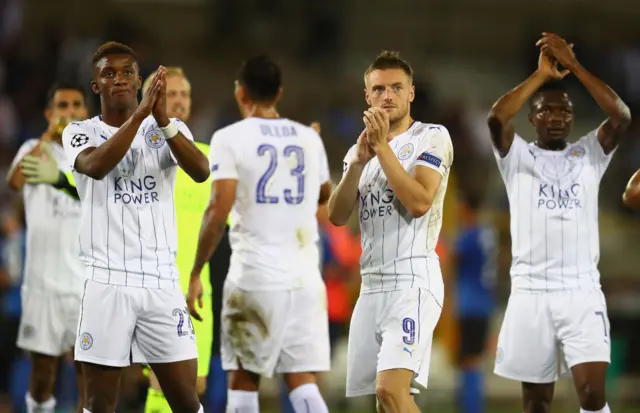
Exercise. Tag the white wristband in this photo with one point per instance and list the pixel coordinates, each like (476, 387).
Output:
(170, 130)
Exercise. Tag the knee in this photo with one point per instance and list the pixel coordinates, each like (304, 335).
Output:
(189, 404)
(537, 406)
(591, 397)
(100, 403)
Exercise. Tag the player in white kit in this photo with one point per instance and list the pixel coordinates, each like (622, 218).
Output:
(556, 318)
(53, 274)
(270, 173)
(124, 162)
(396, 176)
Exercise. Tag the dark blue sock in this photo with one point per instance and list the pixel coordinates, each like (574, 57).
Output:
(216, 393)
(285, 403)
(472, 392)
(19, 382)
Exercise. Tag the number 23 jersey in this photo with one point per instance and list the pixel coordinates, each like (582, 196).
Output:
(279, 166)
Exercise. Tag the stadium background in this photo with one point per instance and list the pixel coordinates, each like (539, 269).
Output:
(466, 53)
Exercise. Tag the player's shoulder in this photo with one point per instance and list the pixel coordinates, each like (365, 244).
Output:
(230, 133)
(88, 125)
(28, 144)
(422, 130)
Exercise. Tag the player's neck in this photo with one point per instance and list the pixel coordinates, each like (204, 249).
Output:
(116, 117)
(400, 127)
(263, 111)
(551, 146)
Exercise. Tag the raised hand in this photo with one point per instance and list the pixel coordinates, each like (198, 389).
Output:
(364, 153)
(160, 107)
(557, 48)
(376, 121)
(150, 96)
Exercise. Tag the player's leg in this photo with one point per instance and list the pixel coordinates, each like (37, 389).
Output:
(527, 349)
(473, 337)
(164, 338)
(44, 369)
(363, 347)
(253, 328)
(218, 269)
(583, 330)
(105, 327)
(407, 321)
(42, 334)
(305, 348)
(80, 383)
(156, 401)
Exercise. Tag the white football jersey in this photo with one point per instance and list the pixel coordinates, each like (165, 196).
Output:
(553, 200)
(128, 233)
(53, 220)
(279, 165)
(398, 249)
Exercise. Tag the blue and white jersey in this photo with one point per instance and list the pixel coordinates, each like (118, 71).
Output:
(128, 231)
(553, 200)
(279, 166)
(398, 250)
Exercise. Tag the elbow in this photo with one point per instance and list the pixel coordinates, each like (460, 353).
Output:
(495, 120)
(201, 176)
(94, 171)
(335, 218)
(420, 209)
(631, 198)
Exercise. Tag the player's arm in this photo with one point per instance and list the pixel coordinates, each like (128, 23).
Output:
(186, 154)
(507, 107)
(224, 175)
(344, 198)
(416, 191)
(214, 221)
(15, 177)
(610, 130)
(631, 196)
(80, 144)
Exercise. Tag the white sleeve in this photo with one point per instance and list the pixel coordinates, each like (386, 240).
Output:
(77, 137)
(435, 151)
(347, 159)
(508, 165)
(597, 157)
(222, 158)
(184, 130)
(25, 148)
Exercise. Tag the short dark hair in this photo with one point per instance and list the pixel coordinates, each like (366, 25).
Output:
(64, 85)
(261, 78)
(553, 86)
(111, 48)
(389, 59)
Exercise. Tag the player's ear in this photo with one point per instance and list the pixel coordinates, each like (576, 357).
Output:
(412, 93)
(366, 97)
(48, 113)
(94, 87)
(530, 117)
(279, 95)
(139, 84)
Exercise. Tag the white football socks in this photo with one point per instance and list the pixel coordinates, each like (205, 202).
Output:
(307, 399)
(239, 401)
(45, 407)
(605, 409)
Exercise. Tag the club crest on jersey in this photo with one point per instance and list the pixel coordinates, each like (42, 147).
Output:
(405, 152)
(86, 341)
(154, 138)
(576, 153)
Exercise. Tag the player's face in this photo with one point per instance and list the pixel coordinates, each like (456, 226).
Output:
(552, 116)
(116, 80)
(66, 103)
(391, 90)
(178, 98)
